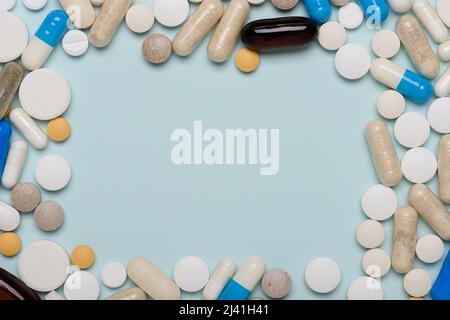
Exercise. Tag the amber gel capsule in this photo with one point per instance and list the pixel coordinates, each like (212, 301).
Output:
(12, 288)
(404, 248)
(278, 33)
(444, 168)
(10, 79)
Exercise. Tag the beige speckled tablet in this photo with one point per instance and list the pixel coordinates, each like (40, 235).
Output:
(25, 197)
(49, 216)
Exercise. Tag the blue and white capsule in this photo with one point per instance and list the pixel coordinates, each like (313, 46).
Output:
(45, 39)
(244, 281)
(5, 139)
(376, 11)
(408, 83)
(318, 10)
(441, 287)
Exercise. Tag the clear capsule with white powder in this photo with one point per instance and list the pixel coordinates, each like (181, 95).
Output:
(28, 128)
(15, 162)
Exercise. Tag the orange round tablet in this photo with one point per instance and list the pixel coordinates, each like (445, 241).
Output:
(247, 60)
(10, 244)
(83, 256)
(59, 129)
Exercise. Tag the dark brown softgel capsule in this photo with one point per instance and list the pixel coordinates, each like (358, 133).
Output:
(12, 288)
(10, 79)
(279, 33)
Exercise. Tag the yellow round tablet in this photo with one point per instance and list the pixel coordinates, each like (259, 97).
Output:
(59, 129)
(10, 244)
(247, 60)
(83, 256)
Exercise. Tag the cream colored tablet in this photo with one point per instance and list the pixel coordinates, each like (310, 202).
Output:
(139, 18)
(352, 61)
(171, 13)
(439, 115)
(365, 288)
(13, 36)
(379, 202)
(114, 275)
(34, 5)
(350, 15)
(417, 283)
(430, 248)
(411, 129)
(75, 43)
(376, 263)
(419, 165)
(332, 35)
(370, 234)
(7, 5)
(391, 104)
(385, 43)
(323, 275)
(81, 285)
(191, 274)
(52, 173)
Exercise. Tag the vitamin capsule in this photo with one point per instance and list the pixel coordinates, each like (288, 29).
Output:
(408, 83)
(244, 281)
(431, 209)
(227, 32)
(5, 137)
(318, 10)
(129, 294)
(400, 6)
(219, 278)
(81, 12)
(444, 168)
(111, 15)
(152, 280)
(430, 20)
(197, 27)
(14, 163)
(12, 288)
(28, 128)
(440, 289)
(417, 46)
(405, 229)
(278, 33)
(444, 51)
(383, 153)
(45, 39)
(377, 10)
(10, 78)
(442, 85)
(9, 217)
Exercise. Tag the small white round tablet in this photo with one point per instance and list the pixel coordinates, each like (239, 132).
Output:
(81, 285)
(443, 9)
(44, 94)
(350, 15)
(254, 2)
(54, 296)
(411, 129)
(140, 18)
(439, 115)
(391, 104)
(365, 288)
(376, 263)
(52, 173)
(352, 61)
(419, 165)
(6, 5)
(114, 275)
(43, 265)
(75, 43)
(13, 36)
(430, 248)
(323, 275)
(379, 202)
(417, 283)
(171, 13)
(370, 234)
(385, 43)
(34, 4)
(332, 35)
(191, 274)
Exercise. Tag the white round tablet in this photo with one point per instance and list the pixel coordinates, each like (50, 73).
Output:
(430, 248)
(171, 13)
(379, 202)
(332, 35)
(44, 94)
(439, 115)
(352, 61)
(254, 2)
(9, 217)
(75, 43)
(191, 274)
(322, 275)
(81, 285)
(376, 263)
(417, 283)
(6, 5)
(44, 265)
(411, 129)
(370, 234)
(443, 9)
(114, 275)
(13, 36)
(350, 15)
(34, 4)
(419, 165)
(391, 104)
(385, 43)
(365, 288)
(52, 173)
(339, 3)
(140, 18)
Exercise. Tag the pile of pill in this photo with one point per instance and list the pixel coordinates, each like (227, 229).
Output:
(45, 267)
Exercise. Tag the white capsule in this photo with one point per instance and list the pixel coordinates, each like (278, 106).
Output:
(430, 20)
(400, 6)
(28, 128)
(250, 273)
(14, 163)
(224, 271)
(442, 85)
(9, 217)
(444, 51)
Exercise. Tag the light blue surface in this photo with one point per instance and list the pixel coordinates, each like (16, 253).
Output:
(127, 199)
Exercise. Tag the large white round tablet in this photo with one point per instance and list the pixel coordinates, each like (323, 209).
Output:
(6, 5)
(171, 13)
(379, 202)
(75, 43)
(81, 285)
(191, 274)
(429, 248)
(44, 265)
(323, 275)
(34, 4)
(370, 234)
(439, 115)
(365, 288)
(385, 43)
(417, 283)
(352, 61)
(376, 263)
(44, 94)
(114, 275)
(391, 104)
(419, 165)
(140, 18)
(411, 129)
(443, 9)
(332, 35)
(52, 173)
(350, 15)
(13, 36)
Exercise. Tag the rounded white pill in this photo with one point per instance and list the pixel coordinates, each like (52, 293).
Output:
(417, 283)
(191, 274)
(443, 10)
(385, 43)
(365, 288)
(379, 202)
(9, 217)
(75, 43)
(370, 234)
(400, 6)
(323, 275)
(114, 275)
(411, 129)
(13, 36)
(253, 2)
(139, 18)
(352, 61)
(419, 165)
(35, 4)
(171, 13)
(391, 104)
(81, 285)
(6, 5)
(350, 15)
(430, 248)
(376, 263)
(439, 115)
(332, 35)
(52, 173)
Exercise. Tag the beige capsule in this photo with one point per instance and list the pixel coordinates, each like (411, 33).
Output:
(405, 230)
(444, 168)
(227, 32)
(442, 85)
(81, 12)
(417, 46)
(431, 209)
(197, 27)
(133, 293)
(383, 153)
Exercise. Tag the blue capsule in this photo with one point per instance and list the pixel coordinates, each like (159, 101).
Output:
(375, 10)
(318, 10)
(53, 27)
(441, 287)
(5, 138)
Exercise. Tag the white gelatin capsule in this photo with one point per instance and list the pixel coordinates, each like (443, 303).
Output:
(28, 128)
(444, 51)
(444, 168)
(430, 20)
(219, 278)
(14, 163)
(81, 12)
(442, 85)
(405, 229)
(9, 217)
(400, 6)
